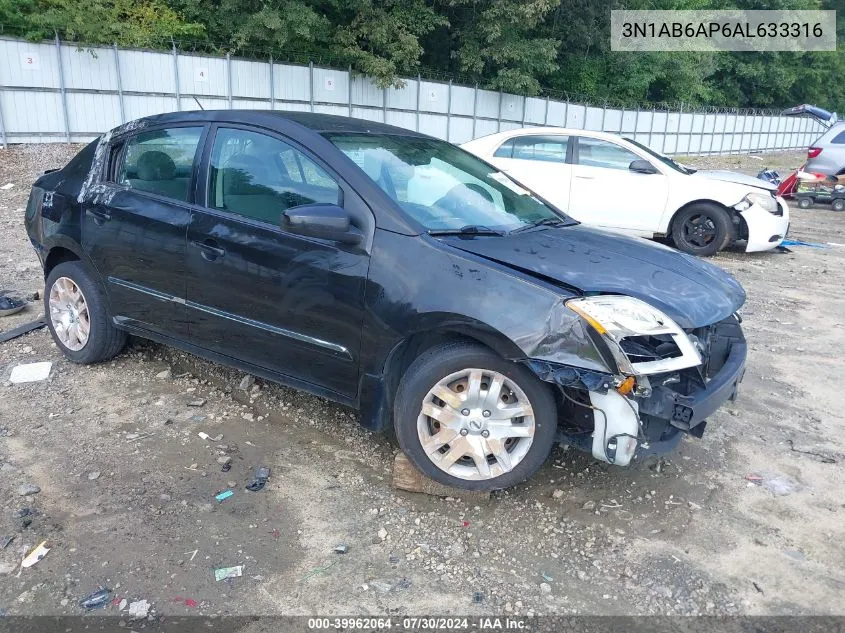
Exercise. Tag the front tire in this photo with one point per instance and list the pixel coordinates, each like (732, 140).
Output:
(702, 229)
(805, 203)
(470, 419)
(76, 313)
(838, 204)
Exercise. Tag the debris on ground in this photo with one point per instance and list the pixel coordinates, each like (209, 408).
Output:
(21, 330)
(224, 573)
(477, 597)
(139, 609)
(94, 475)
(30, 372)
(222, 496)
(223, 460)
(262, 474)
(188, 602)
(97, 599)
(11, 305)
(196, 403)
(341, 549)
(778, 484)
(5, 540)
(7, 186)
(164, 375)
(35, 555)
(246, 382)
(25, 490)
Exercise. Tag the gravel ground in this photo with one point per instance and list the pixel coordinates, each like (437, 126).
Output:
(734, 523)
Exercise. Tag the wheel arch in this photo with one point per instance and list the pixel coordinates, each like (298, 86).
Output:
(377, 390)
(61, 248)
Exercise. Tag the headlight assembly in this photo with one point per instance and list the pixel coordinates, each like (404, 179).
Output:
(617, 318)
(769, 203)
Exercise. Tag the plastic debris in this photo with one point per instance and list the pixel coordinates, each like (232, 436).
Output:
(21, 330)
(224, 495)
(477, 597)
(122, 604)
(196, 403)
(204, 435)
(97, 599)
(35, 555)
(801, 243)
(7, 186)
(139, 609)
(30, 372)
(262, 474)
(226, 467)
(223, 573)
(546, 577)
(340, 549)
(779, 485)
(188, 602)
(5, 540)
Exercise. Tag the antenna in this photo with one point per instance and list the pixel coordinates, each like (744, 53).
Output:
(199, 104)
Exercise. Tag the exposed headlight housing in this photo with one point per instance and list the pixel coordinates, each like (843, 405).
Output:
(769, 203)
(617, 317)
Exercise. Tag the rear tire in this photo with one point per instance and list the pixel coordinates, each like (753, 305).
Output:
(702, 229)
(838, 204)
(76, 312)
(494, 429)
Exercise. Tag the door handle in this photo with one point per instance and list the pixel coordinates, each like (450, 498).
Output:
(586, 177)
(209, 249)
(101, 216)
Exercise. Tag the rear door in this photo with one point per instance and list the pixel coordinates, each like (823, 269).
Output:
(606, 193)
(283, 302)
(540, 162)
(134, 226)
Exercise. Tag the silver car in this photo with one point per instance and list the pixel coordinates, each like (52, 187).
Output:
(827, 154)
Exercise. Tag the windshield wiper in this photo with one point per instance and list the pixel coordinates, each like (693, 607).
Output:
(543, 222)
(469, 229)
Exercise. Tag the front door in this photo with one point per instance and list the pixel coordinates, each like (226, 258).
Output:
(134, 226)
(283, 302)
(540, 163)
(606, 193)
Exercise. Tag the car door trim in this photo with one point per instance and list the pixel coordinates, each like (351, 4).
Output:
(336, 349)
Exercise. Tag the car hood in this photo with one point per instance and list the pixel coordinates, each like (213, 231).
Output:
(692, 292)
(732, 176)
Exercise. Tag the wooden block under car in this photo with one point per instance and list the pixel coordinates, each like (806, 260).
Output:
(407, 477)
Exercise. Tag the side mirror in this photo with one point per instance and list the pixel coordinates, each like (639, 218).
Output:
(325, 221)
(642, 167)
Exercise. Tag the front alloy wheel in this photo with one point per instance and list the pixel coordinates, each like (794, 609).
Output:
(468, 418)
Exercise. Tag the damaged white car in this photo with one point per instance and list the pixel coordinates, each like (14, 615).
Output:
(619, 184)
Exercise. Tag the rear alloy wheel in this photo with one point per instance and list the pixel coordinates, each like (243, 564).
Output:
(470, 419)
(75, 306)
(702, 229)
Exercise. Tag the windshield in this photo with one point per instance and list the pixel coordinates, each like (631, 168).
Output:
(662, 158)
(443, 187)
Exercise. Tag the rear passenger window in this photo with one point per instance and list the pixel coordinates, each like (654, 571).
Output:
(839, 139)
(260, 177)
(160, 161)
(550, 149)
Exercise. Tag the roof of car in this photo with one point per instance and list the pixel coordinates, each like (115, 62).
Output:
(320, 123)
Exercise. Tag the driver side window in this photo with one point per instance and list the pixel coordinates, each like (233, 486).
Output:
(260, 177)
(593, 152)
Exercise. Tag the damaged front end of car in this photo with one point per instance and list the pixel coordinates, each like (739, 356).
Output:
(660, 381)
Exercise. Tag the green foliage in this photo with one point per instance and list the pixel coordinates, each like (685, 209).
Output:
(521, 46)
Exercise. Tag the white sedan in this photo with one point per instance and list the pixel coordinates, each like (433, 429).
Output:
(616, 183)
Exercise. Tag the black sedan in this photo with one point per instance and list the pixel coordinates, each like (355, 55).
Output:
(389, 271)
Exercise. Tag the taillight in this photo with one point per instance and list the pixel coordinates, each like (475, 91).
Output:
(812, 152)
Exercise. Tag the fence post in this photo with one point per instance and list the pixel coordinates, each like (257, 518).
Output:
(419, 88)
(524, 108)
(272, 85)
(474, 109)
(119, 83)
(449, 111)
(604, 115)
(769, 132)
(349, 90)
(311, 84)
(678, 128)
(62, 87)
(176, 79)
(637, 122)
(622, 122)
(565, 112)
(384, 105)
(499, 118)
(2, 126)
(546, 116)
(651, 126)
(229, 78)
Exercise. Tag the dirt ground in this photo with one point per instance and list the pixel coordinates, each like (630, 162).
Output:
(748, 520)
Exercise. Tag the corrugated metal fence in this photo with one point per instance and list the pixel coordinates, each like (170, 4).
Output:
(59, 92)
